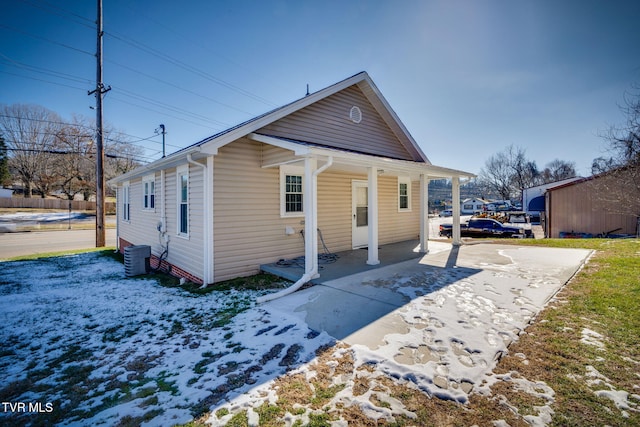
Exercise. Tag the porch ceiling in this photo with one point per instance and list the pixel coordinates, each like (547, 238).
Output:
(357, 163)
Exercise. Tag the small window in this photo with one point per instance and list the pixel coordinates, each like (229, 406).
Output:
(183, 201)
(126, 205)
(291, 191)
(404, 194)
(467, 207)
(149, 192)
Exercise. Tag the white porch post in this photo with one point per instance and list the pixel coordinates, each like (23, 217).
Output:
(372, 213)
(424, 214)
(455, 201)
(310, 217)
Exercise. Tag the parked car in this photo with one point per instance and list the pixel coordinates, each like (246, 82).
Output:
(520, 220)
(445, 213)
(482, 227)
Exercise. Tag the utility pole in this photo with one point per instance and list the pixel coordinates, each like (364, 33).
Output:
(99, 91)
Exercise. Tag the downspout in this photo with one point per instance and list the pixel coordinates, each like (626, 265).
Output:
(205, 214)
(163, 206)
(313, 271)
(117, 221)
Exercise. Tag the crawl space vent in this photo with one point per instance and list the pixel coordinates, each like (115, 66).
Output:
(355, 114)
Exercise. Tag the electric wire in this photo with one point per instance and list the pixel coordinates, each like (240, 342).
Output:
(178, 63)
(46, 40)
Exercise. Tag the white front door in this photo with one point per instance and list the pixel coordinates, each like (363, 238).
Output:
(360, 213)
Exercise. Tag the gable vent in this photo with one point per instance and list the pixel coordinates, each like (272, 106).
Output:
(355, 114)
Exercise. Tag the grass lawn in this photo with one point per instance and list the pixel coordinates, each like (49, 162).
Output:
(580, 358)
(118, 349)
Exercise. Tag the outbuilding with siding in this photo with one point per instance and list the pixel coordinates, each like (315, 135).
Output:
(580, 207)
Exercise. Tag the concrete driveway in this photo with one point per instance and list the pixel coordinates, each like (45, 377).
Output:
(442, 320)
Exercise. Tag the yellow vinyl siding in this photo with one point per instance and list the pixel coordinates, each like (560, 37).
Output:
(185, 253)
(394, 226)
(248, 228)
(327, 122)
(142, 227)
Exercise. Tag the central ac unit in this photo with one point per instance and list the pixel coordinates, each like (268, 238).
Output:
(137, 260)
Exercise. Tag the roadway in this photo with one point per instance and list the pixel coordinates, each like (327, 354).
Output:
(35, 242)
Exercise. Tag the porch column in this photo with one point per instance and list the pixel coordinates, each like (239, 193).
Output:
(372, 214)
(424, 214)
(455, 202)
(309, 202)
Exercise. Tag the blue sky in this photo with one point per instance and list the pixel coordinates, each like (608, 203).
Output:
(467, 78)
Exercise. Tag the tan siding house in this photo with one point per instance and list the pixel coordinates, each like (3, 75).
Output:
(338, 160)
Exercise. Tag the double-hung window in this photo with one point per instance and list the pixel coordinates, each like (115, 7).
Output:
(291, 191)
(126, 204)
(149, 192)
(183, 200)
(404, 194)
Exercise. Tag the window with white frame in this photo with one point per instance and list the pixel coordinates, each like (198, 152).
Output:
(183, 200)
(404, 194)
(149, 192)
(126, 204)
(291, 191)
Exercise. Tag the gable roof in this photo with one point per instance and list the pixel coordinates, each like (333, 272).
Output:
(363, 82)
(210, 145)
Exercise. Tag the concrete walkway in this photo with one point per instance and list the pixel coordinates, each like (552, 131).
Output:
(446, 316)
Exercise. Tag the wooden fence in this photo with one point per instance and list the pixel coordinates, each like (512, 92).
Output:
(40, 203)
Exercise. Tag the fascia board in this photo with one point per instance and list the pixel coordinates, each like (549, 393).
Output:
(252, 126)
(165, 163)
(364, 160)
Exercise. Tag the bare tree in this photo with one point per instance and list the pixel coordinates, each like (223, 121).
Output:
(74, 165)
(508, 172)
(30, 132)
(5, 175)
(496, 175)
(557, 170)
(617, 187)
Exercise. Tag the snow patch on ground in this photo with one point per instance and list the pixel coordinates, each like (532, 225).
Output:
(592, 338)
(135, 348)
(142, 350)
(620, 398)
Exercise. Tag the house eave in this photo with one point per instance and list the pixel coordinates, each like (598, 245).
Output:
(168, 162)
(362, 161)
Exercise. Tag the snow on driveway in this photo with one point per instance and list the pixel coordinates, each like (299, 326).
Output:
(132, 348)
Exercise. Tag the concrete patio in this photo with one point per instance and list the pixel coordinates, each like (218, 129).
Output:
(354, 261)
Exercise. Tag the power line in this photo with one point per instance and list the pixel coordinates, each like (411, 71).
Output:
(43, 80)
(46, 40)
(42, 70)
(152, 51)
(181, 88)
(90, 154)
(63, 12)
(165, 105)
(92, 129)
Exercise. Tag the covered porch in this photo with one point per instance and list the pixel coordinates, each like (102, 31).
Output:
(313, 160)
(346, 263)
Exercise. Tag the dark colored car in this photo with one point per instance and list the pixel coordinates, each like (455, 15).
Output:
(482, 227)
